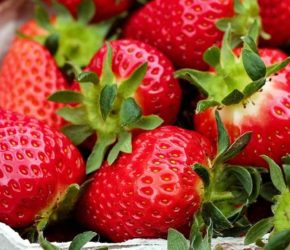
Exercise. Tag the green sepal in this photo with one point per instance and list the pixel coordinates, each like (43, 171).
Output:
(129, 86)
(42, 18)
(277, 67)
(52, 43)
(75, 115)
(243, 176)
(227, 56)
(96, 158)
(88, 76)
(86, 11)
(203, 173)
(107, 99)
(258, 230)
(130, 112)
(66, 96)
(80, 240)
(219, 220)
(197, 240)
(279, 241)
(212, 56)
(147, 122)
(124, 144)
(256, 183)
(253, 87)
(276, 174)
(269, 192)
(286, 170)
(77, 133)
(249, 43)
(205, 104)
(282, 212)
(63, 14)
(234, 97)
(176, 240)
(223, 136)
(107, 73)
(45, 244)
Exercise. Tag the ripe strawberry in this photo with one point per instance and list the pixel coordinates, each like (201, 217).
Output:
(182, 29)
(124, 82)
(159, 93)
(28, 76)
(104, 8)
(154, 188)
(249, 98)
(38, 164)
(277, 27)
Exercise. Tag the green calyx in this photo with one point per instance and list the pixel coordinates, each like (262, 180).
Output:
(247, 13)
(229, 189)
(70, 39)
(105, 107)
(279, 224)
(235, 79)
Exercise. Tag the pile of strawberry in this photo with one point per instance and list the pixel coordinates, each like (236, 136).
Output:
(148, 119)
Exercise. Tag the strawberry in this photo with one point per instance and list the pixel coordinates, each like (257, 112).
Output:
(104, 8)
(182, 29)
(28, 75)
(249, 96)
(122, 83)
(157, 188)
(38, 164)
(277, 27)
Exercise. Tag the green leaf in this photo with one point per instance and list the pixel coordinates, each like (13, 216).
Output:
(279, 241)
(86, 11)
(268, 191)
(77, 133)
(243, 176)
(275, 68)
(81, 239)
(234, 97)
(129, 86)
(253, 65)
(107, 99)
(66, 96)
(42, 18)
(237, 147)
(88, 76)
(210, 211)
(176, 241)
(75, 115)
(130, 112)
(203, 173)
(96, 158)
(107, 73)
(276, 174)
(52, 43)
(148, 122)
(253, 87)
(46, 245)
(124, 144)
(223, 137)
(286, 169)
(205, 104)
(212, 56)
(257, 231)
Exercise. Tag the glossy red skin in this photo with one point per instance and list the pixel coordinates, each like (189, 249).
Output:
(159, 92)
(181, 29)
(269, 122)
(145, 193)
(28, 76)
(37, 164)
(275, 19)
(104, 8)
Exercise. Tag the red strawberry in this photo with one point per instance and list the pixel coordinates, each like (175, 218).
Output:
(274, 14)
(145, 193)
(124, 91)
(182, 29)
(37, 166)
(249, 98)
(28, 76)
(159, 93)
(104, 8)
